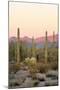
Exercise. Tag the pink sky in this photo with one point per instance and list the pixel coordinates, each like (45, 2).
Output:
(32, 19)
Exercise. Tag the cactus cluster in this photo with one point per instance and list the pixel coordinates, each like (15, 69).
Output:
(33, 48)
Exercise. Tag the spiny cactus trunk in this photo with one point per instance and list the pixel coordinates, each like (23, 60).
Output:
(53, 39)
(33, 47)
(46, 49)
(15, 53)
(18, 45)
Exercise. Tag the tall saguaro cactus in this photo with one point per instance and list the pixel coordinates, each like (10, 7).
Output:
(33, 47)
(53, 38)
(46, 48)
(18, 45)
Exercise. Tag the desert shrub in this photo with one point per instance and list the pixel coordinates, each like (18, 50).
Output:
(32, 65)
(17, 67)
(30, 61)
(26, 61)
(14, 68)
(43, 68)
(54, 65)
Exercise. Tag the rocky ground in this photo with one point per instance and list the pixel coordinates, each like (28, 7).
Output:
(23, 79)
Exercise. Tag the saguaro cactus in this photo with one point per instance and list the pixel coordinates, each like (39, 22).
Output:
(53, 38)
(33, 47)
(18, 45)
(46, 48)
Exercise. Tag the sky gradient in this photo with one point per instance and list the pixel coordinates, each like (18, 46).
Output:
(32, 19)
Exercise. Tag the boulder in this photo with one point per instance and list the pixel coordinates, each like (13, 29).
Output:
(13, 82)
(27, 83)
(51, 82)
(41, 76)
(41, 84)
(52, 74)
(21, 76)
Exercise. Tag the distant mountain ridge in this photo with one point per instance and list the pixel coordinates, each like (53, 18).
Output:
(37, 40)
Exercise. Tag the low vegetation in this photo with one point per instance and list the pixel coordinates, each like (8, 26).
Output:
(35, 61)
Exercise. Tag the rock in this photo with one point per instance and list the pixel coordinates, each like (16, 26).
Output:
(40, 76)
(27, 83)
(13, 82)
(52, 74)
(51, 82)
(48, 79)
(21, 76)
(35, 82)
(11, 75)
(41, 84)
